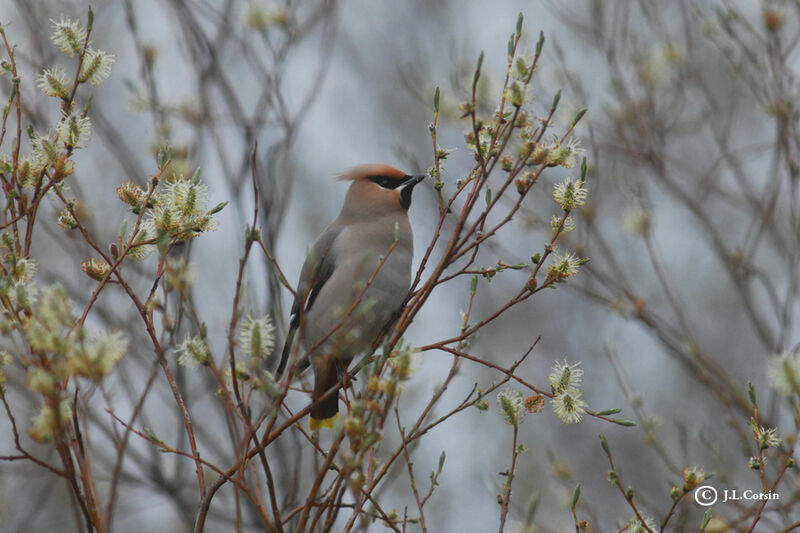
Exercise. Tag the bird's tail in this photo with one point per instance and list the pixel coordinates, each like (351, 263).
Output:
(324, 410)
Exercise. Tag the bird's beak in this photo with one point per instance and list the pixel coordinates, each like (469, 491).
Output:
(410, 181)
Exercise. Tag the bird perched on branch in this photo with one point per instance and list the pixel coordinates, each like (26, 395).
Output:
(353, 282)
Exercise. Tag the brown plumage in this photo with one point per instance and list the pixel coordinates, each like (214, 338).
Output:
(334, 325)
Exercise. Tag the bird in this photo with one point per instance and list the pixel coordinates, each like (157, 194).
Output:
(353, 283)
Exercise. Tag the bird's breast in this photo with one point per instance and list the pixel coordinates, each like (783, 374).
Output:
(370, 281)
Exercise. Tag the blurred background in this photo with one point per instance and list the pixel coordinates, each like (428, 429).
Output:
(692, 227)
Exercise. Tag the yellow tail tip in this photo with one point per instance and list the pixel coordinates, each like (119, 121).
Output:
(315, 423)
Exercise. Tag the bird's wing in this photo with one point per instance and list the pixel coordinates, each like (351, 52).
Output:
(316, 271)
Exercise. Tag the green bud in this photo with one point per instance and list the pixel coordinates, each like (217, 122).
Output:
(152, 436)
(219, 207)
(436, 100)
(478, 68)
(604, 444)
(609, 412)
(706, 519)
(578, 116)
(556, 98)
(576, 496)
(540, 44)
(519, 24)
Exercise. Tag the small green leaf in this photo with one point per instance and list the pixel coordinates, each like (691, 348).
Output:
(91, 17)
(478, 68)
(436, 100)
(488, 195)
(517, 266)
(706, 519)
(519, 24)
(219, 207)
(583, 169)
(540, 44)
(511, 46)
(609, 412)
(556, 98)
(196, 176)
(576, 495)
(473, 285)
(623, 422)
(441, 460)
(751, 391)
(578, 116)
(604, 444)
(152, 435)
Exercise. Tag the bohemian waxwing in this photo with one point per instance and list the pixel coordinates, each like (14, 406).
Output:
(337, 311)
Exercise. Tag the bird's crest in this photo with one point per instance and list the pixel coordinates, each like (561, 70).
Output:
(361, 172)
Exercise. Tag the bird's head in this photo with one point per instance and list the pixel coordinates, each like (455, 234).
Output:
(377, 189)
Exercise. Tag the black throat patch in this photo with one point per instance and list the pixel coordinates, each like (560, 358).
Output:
(405, 196)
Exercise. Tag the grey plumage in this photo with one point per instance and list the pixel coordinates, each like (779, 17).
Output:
(342, 266)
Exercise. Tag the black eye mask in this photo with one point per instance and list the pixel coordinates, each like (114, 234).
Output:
(407, 183)
(386, 182)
